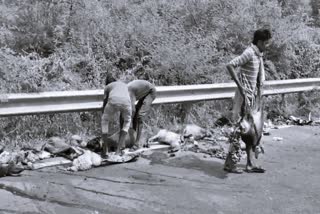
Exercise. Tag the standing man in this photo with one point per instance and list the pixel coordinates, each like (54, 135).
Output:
(144, 92)
(116, 99)
(249, 88)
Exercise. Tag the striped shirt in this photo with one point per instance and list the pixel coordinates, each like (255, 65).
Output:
(249, 62)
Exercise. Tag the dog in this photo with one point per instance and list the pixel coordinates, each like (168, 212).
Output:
(196, 132)
(171, 138)
(167, 137)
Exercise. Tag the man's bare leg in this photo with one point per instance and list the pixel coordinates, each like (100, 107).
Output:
(121, 141)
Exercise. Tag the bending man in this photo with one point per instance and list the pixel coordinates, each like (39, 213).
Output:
(116, 99)
(144, 92)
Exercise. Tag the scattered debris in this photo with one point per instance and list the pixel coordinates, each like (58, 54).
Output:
(5, 157)
(213, 150)
(126, 157)
(223, 121)
(50, 162)
(95, 144)
(266, 127)
(9, 164)
(10, 169)
(299, 121)
(85, 161)
(76, 140)
(223, 138)
(91, 159)
(56, 145)
(277, 138)
(77, 155)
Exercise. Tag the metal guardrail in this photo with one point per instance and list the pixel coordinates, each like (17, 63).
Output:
(73, 101)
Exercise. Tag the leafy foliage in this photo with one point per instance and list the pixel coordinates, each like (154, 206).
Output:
(71, 45)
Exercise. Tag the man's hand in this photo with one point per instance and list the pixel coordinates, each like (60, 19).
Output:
(105, 101)
(260, 90)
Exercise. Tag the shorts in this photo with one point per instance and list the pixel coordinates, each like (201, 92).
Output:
(143, 106)
(111, 110)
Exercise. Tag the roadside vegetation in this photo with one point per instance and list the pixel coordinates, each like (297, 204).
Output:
(57, 45)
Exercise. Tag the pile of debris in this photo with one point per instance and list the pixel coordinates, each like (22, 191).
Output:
(280, 120)
(56, 151)
(78, 154)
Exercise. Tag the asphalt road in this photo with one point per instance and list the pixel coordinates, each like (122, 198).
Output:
(187, 183)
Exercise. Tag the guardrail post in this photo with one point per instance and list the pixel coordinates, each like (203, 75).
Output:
(283, 103)
(185, 112)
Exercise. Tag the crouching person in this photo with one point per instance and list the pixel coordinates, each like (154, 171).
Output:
(144, 92)
(116, 100)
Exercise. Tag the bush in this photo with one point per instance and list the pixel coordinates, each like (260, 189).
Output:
(71, 45)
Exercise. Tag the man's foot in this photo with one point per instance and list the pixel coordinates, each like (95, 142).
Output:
(235, 170)
(134, 148)
(104, 155)
(146, 145)
(120, 152)
(255, 170)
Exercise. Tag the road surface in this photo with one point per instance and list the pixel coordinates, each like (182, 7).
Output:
(187, 183)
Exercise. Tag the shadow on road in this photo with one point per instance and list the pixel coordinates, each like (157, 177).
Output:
(209, 167)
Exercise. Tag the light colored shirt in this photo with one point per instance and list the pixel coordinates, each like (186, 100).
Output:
(251, 63)
(140, 88)
(117, 93)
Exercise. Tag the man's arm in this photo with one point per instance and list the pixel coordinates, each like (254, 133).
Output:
(260, 83)
(105, 98)
(239, 61)
(234, 76)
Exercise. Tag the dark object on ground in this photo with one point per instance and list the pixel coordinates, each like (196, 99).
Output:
(273, 115)
(255, 170)
(299, 121)
(10, 169)
(266, 133)
(1, 149)
(172, 155)
(95, 145)
(233, 170)
(223, 121)
(58, 146)
(214, 151)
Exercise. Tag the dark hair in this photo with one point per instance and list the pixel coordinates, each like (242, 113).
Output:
(261, 34)
(110, 78)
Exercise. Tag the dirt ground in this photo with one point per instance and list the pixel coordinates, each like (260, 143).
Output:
(187, 183)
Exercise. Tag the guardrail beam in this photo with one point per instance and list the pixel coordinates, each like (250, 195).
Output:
(91, 100)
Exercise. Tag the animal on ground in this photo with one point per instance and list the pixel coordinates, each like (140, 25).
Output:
(196, 132)
(167, 137)
(170, 138)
